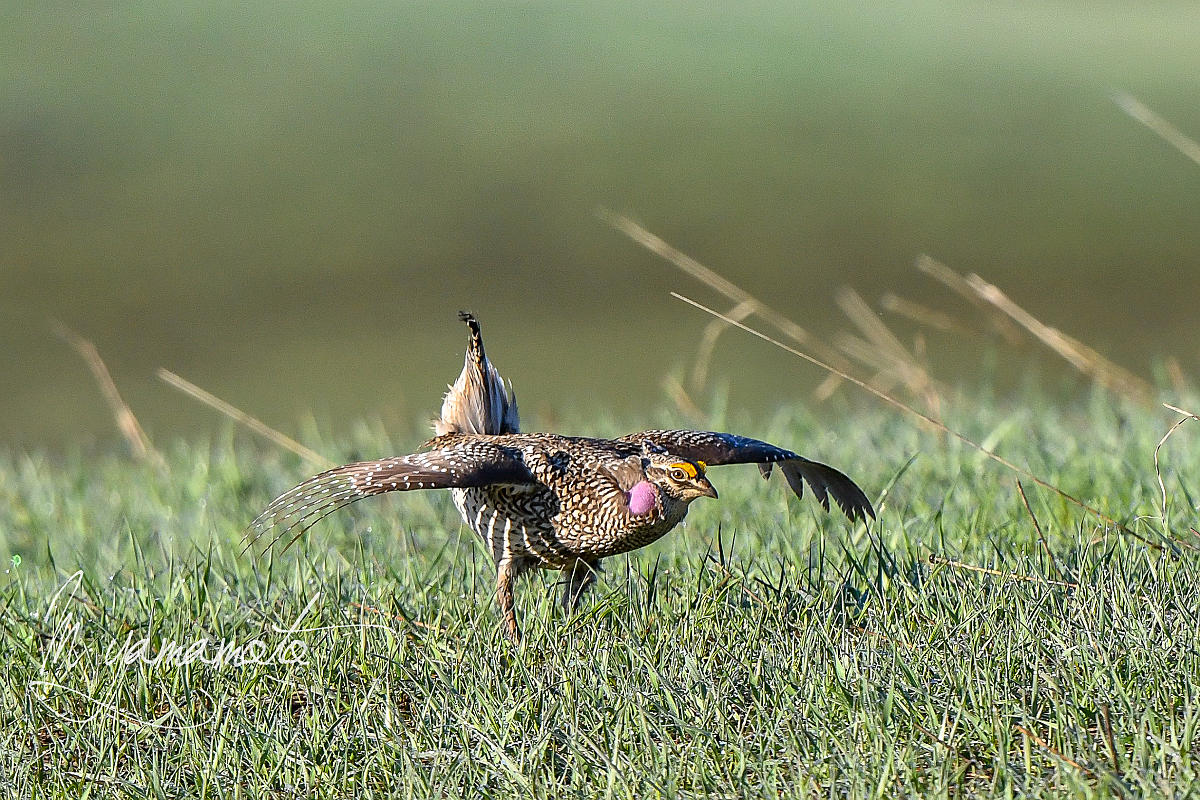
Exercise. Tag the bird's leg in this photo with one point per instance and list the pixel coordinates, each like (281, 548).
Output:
(506, 576)
(579, 576)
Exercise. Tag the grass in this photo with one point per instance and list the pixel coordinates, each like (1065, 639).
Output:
(766, 650)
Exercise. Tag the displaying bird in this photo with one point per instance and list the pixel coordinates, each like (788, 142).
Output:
(544, 500)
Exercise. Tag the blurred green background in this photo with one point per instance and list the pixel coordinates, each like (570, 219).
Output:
(287, 202)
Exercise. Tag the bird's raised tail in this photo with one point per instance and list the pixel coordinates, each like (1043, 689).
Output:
(479, 401)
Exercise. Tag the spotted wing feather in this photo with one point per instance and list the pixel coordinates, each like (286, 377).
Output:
(451, 467)
(626, 473)
(715, 449)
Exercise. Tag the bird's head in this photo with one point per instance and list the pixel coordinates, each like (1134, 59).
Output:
(678, 479)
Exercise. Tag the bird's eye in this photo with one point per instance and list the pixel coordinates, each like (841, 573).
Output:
(678, 474)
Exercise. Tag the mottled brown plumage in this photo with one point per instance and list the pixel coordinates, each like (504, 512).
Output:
(550, 501)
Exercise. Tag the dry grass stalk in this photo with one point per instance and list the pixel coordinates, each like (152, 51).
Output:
(682, 400)
(1188, 416)
(934, 422)
(1038, 527)
(398, 617)
(861, 350)
(1166, 131)
(920, 314)
(1088, 361)
(949, 562)
(1179, 380)
(1042, 743)
(686, 263)
(127, 422)
(883, 350)
(708, 341)
(723, 286)
(242, 418)
(888, 374)
(1106, 719)
(826, 388)
(958, 284)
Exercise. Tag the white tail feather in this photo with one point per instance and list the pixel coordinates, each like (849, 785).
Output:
(480, 401)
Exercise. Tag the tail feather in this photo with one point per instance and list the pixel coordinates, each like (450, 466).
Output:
(480, 401)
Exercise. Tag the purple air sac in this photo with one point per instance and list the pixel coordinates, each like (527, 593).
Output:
(642, 498)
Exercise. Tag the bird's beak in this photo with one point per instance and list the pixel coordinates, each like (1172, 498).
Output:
(705, 488)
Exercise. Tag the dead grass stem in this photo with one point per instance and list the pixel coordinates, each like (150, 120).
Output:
(745, 303)
(244, 419)
(1085, 359)
(127, 422)
(932, 421)
(1140, 112)
(1008, 576)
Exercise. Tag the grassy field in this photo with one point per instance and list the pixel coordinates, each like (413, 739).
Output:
(767, 649)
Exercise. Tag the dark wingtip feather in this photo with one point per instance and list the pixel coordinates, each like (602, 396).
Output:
(826, 481)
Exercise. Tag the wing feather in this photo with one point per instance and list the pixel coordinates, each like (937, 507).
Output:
(456, 466)
(716, 449)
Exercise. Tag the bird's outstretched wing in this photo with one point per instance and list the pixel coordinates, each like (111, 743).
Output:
(726, 448)
(454, 466)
